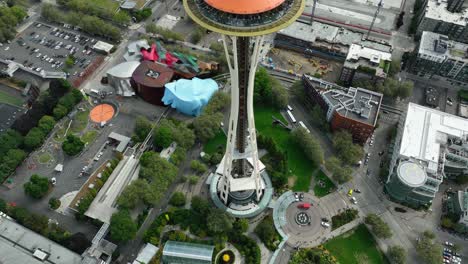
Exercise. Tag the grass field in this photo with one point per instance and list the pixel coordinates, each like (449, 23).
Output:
(299, 165)
(9, 99)
(212, 145)
(89, 136)
(44, 157)
(355, 247)
(327, 187)
(79, 121)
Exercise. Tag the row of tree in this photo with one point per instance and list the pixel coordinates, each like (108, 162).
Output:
(207, 125)
(105, 9)
(156, 175)
(269, 91)
(276, 161)
(9, 18)
(310, 145)
(348, 154)
(88, 23)
(30, 130)
(389, 88)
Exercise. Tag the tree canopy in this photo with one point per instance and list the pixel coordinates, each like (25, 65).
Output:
(142, 128)
(379, 227)
(309, 145)
(429, 250)
(138, 191)
(37, 186)
(219, 222)
(208, 124)
(177, 199)
(397, 254)
(348, 152)
(269, 91)
(72, 145)
(122, 227)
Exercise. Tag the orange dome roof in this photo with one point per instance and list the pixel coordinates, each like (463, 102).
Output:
(102, 113)
(244, 7)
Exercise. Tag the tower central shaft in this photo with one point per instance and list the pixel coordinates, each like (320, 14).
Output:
(244, 68)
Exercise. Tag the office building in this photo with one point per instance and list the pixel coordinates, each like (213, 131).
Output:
(365, 63)
(353, 109)
(436, 17)
(430, 145)
(438, 56)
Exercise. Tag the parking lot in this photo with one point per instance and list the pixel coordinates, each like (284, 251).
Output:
(42, 47)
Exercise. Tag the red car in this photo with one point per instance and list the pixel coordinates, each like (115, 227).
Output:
(304, 205)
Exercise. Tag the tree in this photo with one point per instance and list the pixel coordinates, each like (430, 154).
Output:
(54, 203)
(138, 191)
(265, 230)
(319, 117)
(262, 87)
(219, 101)
(69, 61)
(121, 18)
(379, 227)
(309, 145)
(37, 186)
(218, 222)
(34, 138)
(59, 87)
(279, 94)
(200, 205)
(3, 206)
(177, 199)
(333, 164)
(122, 227)
(10, 139)
(163, 137)
(429, 250)
(60, 111)
(348, 152)
(198, 167)
(72, 145)
(397, 254)
(142, 129)
(11, 160)
(193, 179)
(405, 89)
(343, 174)
(46, 124)
(207, 126)
(394, 67)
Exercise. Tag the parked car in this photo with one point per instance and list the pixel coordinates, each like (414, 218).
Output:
(325, 224)
(53, 181)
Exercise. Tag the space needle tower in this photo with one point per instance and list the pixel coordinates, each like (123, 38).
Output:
(243, 25)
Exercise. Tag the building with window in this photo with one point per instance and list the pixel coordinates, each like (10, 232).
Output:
(430, 145)
(353, 109)
(457, 203)
(365, 63)
(439, 56)
(437, 17)
(190, 253)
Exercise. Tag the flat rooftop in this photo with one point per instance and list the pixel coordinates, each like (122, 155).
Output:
(331, 34)
(104, 205)
(438, 10)
(355, 103)
(18, 244)
(425, 130)
(439, 46)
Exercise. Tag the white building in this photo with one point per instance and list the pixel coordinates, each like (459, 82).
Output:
(435, 143)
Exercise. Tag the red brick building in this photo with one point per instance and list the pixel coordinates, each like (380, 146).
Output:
(353, 109)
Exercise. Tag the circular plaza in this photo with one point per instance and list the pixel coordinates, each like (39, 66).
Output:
(297, 218)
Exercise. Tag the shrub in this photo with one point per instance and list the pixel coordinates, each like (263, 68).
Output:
(343, 218)
(177, 199)
(37, 186)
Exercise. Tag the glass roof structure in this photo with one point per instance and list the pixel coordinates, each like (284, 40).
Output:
(181, 252)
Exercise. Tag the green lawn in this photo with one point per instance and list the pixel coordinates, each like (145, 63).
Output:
(212, 145)
(355, 247)
(89, 136)
(9, 99)
(44, 157)
(326, 185)
(59, 136)
(298, 164)
(79, 121)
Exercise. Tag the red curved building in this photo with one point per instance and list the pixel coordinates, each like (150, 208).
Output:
(149, 79)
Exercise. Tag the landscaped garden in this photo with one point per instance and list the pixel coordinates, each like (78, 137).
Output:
(89, 136)
(212, 146)
(355, 247)
(44, 157)
(323, 185)
(79, 121)
(298, 163)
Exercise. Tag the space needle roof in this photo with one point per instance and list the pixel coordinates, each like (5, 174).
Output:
(244, 7)
(244, 18)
